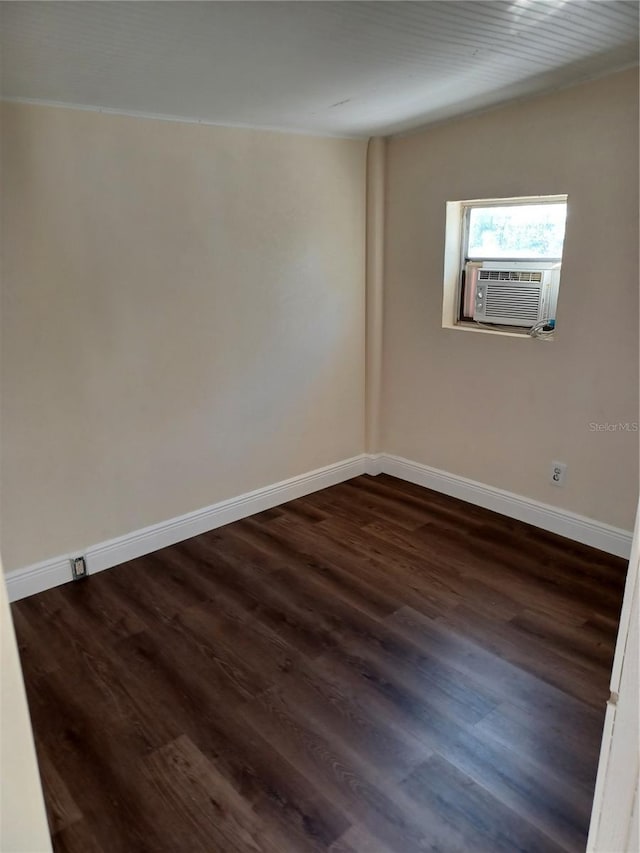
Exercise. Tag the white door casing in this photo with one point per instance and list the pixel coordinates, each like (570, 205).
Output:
(615, 816)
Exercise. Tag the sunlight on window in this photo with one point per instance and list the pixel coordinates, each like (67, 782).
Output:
(517, 231)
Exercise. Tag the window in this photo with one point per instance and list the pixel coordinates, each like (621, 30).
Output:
(505, 274)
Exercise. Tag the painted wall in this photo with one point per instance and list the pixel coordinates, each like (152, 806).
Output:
(499, 409)
(182, 319)
(23, 827)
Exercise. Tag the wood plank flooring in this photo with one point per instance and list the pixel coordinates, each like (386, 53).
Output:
(375, 668)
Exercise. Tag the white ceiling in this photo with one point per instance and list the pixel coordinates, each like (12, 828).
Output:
(352, 68)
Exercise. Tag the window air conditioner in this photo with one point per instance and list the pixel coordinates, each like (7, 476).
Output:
(516, 293)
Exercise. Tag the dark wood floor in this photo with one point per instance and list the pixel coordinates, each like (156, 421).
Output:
(372, 668)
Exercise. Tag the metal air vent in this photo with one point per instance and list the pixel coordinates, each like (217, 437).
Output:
(509, 275)
(517, 303)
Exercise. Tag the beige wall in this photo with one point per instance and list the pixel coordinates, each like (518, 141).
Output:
(498, 409)
(183, 319)
(23, 823)
(183, 313)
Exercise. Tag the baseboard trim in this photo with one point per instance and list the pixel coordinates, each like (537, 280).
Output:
(607, 538)
(41, 576)
(373, 463)
(50, 573)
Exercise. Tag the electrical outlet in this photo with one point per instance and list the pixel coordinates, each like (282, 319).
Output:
(558, 473)
(78, 568)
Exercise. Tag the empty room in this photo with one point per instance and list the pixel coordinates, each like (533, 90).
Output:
(319, 419)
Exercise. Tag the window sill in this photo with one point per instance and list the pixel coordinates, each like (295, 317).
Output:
(472, 327)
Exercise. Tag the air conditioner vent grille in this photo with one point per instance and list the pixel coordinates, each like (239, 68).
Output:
(509, 275)
(516, 302)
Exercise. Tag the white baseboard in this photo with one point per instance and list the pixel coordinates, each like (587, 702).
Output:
(50, 573)
(37, 578)
(374, 463)
(613, 540)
